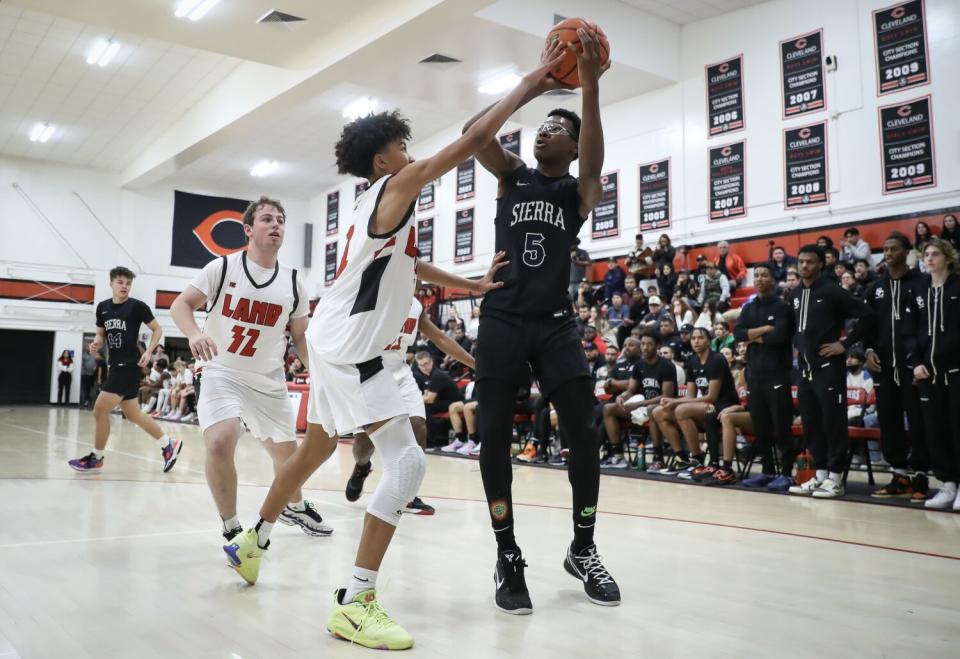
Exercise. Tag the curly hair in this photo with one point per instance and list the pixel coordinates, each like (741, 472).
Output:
(363, 138)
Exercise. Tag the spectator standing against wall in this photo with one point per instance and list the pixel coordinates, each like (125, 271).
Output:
(579, 262)
(64, 377)
(88, 374)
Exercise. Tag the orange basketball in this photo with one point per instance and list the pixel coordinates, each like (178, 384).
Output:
(566, 30)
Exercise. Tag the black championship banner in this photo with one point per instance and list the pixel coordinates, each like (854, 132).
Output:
(425, 239)
(906, 146)
(359, 189)
(725, 96)
(805, 166)
(511, 142)
(333, 212)
(606, 215)
(900, 38)
(655, 195)
(728, 181)
(467, 179)
(801, 67)
(426, 201)
(205, 228)
(330, 264)
(463, 237)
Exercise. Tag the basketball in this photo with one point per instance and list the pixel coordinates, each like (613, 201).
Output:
(566, 30)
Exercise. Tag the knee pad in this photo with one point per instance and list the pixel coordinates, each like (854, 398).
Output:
(404, 466)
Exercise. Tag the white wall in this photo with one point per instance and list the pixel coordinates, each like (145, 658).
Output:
(672, 123)
(140, 221)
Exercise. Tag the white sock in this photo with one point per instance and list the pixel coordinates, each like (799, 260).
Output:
(299, 506)
(361, 580)
(263, 533)
(231, 524)
(821, 474)
(836, 478)
(164, 441)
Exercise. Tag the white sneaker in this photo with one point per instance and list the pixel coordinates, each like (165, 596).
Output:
(829, 489)
(806, 489)
(476, 451)
(452, 447)
(466, 448)
(956, 502)
(944, 498)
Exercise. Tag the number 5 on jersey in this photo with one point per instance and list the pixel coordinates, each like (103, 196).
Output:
(534, 253)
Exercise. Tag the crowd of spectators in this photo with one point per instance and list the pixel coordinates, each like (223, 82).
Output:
(650, 310)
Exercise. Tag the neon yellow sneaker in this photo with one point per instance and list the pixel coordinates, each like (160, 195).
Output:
(244, 555)
(364, 622)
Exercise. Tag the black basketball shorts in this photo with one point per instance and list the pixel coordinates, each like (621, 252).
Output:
(123, 380)
(510, 345)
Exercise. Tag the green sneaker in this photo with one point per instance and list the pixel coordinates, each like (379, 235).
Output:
(244, 555)
(364, 622)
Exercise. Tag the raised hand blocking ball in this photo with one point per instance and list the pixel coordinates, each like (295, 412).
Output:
(566, 31)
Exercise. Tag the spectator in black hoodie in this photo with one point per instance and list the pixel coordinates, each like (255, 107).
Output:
(936, 362)
(767, 326)
(888, 340)
(819, 310)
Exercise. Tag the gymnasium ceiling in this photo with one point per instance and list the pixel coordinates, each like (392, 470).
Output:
(197, 104)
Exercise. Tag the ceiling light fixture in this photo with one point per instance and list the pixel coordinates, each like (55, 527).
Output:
(360, 108)
(41, 132)
(195, 9)
(103, 52)
(500, 84)
(264, 168)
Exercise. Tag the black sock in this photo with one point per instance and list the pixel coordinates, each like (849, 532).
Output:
(505, 538)
(462, 436)
(472, 437)
(699, 457)
(728, 465)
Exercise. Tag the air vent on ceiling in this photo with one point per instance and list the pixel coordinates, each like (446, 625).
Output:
(439, 58)
(560, 92)
(275, 16)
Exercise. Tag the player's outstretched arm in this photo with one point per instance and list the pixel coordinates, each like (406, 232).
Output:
(434, 275)
(447, 345)
(590, 146)
(403, 188)
(191, 299)
(494, 158)
(298, 332)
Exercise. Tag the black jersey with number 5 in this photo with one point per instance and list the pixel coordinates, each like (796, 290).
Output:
(538, 218)
(121, 322)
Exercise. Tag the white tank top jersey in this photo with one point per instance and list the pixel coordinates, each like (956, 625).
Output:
(360, 315)
(248, 317)
(394, 354)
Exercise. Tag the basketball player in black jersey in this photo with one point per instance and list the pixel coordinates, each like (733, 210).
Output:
(530, 321)
(118, 324)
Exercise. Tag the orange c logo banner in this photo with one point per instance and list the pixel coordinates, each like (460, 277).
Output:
(204, 232)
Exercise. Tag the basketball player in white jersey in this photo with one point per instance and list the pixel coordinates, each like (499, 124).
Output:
(250, 297)
(361, 314)
(417, 320)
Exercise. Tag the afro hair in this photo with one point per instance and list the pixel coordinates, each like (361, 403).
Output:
(363, 138)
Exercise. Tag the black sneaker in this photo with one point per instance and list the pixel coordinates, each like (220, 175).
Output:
(232, 533)
(308, 519)
(418, 507)
(512, 595)
(899, 487)
(920, 485)
(355, 484)
(597, 583)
